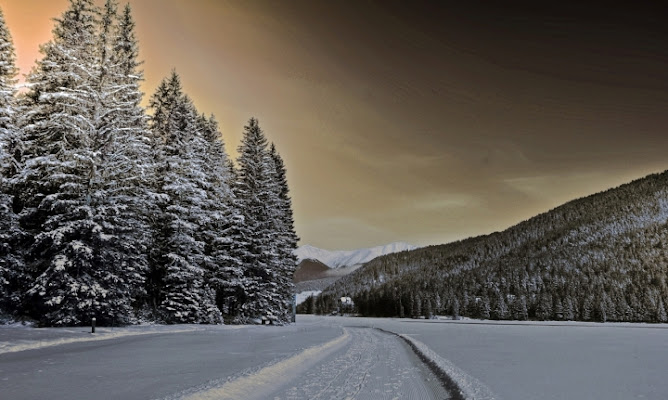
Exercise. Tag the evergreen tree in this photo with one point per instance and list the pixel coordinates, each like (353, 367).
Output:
(286, 236)
(521, 312)
(59, 127)
(223, 233)
(122, 197)
(9, 144)
(178, 270)
(257, 192)
(438, 305)
(455, 308)
(416, 310)
(11, 261)
(484, 310)
(588, 308)
(428, 309)
(499, 309)
(569, 314)
(231, 295)
(544, 307)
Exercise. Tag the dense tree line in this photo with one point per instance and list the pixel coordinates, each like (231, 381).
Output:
(111, 212)
(598, 258)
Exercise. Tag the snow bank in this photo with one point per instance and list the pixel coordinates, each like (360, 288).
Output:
(14, 338)
(459, 383)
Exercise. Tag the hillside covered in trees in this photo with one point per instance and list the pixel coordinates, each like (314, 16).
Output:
(599, 258)
(113, 212)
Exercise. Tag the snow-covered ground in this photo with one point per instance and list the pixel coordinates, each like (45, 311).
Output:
(332, 357)
(17, 337)
(533, 360)
(343, 258)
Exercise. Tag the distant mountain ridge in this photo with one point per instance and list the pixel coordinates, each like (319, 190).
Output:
(347, 258)
(602, 257)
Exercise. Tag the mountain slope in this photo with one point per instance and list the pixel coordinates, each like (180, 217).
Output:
(310, 269)
(602, 257)
(343, 258)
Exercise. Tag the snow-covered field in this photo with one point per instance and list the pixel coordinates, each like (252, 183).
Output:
(533, 360)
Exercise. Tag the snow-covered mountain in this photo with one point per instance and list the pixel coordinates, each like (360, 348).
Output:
(346, 258)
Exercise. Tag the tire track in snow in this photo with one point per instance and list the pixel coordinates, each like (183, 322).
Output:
(462, 386)
(260, 384)
(374, 365)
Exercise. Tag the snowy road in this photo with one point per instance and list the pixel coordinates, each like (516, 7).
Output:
(150, 366)
(316, 359)
(364, 363)
(374, 365)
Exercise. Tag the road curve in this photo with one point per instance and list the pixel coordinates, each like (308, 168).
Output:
(363, 364)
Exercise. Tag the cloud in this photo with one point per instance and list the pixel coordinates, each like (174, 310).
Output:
(448, 201)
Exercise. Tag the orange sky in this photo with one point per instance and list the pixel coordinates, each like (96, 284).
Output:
(412, 123)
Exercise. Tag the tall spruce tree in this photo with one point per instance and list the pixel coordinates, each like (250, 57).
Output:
(178, 265)
(258, 191)
(231, 295)
(11, 263)
(55, 183)
(287, 237)
(224, 231)
(121, 196)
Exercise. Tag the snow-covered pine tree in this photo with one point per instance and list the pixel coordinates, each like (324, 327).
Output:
(82, 264)
(59, 166)
(235, 234)
(287, 237)
(177, 273)
(256, 190)
(8, 133)
(224, 231)
(159, 104)
(120, 191)
(11, 261)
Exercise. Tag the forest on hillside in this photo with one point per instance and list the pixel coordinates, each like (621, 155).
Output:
(598, 258)
(111, 211)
